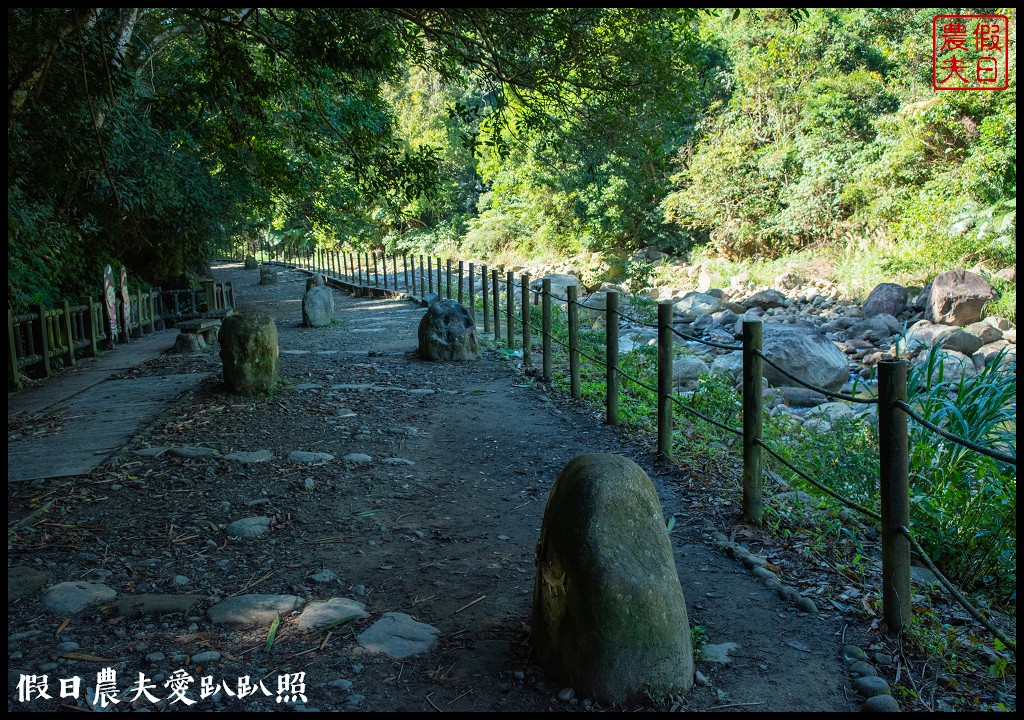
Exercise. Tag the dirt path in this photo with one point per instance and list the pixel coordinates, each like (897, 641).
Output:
(437, 520)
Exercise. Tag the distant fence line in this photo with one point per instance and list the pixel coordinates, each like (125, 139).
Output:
(366, 273)
(42, 337)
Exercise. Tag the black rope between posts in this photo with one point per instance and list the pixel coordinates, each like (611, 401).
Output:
(1009, 459)
(641, 323)
(957, 595)
(620, 372)
(815, 483)
(823, 391)
(592, 359)
(694, 338)
(704, 417)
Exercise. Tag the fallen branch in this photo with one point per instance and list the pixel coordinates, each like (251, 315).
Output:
(470, 604)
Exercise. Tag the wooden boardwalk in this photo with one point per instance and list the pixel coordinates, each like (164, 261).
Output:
(97, 415)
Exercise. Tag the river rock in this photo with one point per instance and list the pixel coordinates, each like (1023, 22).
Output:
(888, 298)
(957, 298)
(398, 636)
(950, 337)
(253, 610)
(694, 304)
(804, 352)
(559, 283)
(69, 598)
(765, 299)
(984, 331)
(688, 369)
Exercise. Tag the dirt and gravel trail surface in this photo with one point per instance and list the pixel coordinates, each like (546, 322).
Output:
(370, 479)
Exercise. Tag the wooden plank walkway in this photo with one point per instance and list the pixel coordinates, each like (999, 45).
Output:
(97, 423)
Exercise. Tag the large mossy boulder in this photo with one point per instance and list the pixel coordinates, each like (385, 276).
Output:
(251, 263)
(609, 616)
(268, 276)
(447, 332)
(318, 306)
(249, 352)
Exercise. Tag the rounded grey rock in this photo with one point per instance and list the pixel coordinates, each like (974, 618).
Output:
(871, 685)
(881, 703)
(862, 669)
(249, 527)
(69, 598)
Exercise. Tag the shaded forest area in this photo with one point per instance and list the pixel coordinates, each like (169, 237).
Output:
(155, 137)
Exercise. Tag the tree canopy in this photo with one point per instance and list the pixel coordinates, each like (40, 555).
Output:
(152, 137)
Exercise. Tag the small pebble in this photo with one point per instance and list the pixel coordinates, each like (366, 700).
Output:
(566, 694)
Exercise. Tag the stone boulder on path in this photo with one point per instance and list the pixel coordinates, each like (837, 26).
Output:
(609, 615)
(447, 332)
(249, 352)
(318, 306)
(315, 280)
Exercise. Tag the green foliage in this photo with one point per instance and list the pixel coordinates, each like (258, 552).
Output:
(964, 503)
(850, 142)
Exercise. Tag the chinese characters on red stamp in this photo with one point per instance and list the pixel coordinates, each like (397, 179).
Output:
(970, 52)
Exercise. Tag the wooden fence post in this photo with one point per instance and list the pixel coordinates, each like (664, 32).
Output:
(430, 276)
(440, 287)
(394, 270)
(484, 293)
(405, 270)
(524, 300)
(510, 325)
(68, 339)
(460, 293)
(665, 381)
(91, 331)
(13, 370)
(753, 478)
(496, 297)
(448, 269)
(413, 272)
(572, 291)
(41, 336)
(472, 292)
(611, 357)
(384, 268)
(895, 493)
(546, 329)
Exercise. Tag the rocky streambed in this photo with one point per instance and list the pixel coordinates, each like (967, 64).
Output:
(813, 333)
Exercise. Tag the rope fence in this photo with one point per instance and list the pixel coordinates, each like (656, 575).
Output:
(520, 327)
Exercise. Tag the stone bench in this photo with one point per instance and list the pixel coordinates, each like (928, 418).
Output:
(207, 328)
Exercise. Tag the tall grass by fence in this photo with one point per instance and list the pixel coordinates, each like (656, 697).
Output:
(368, 275)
